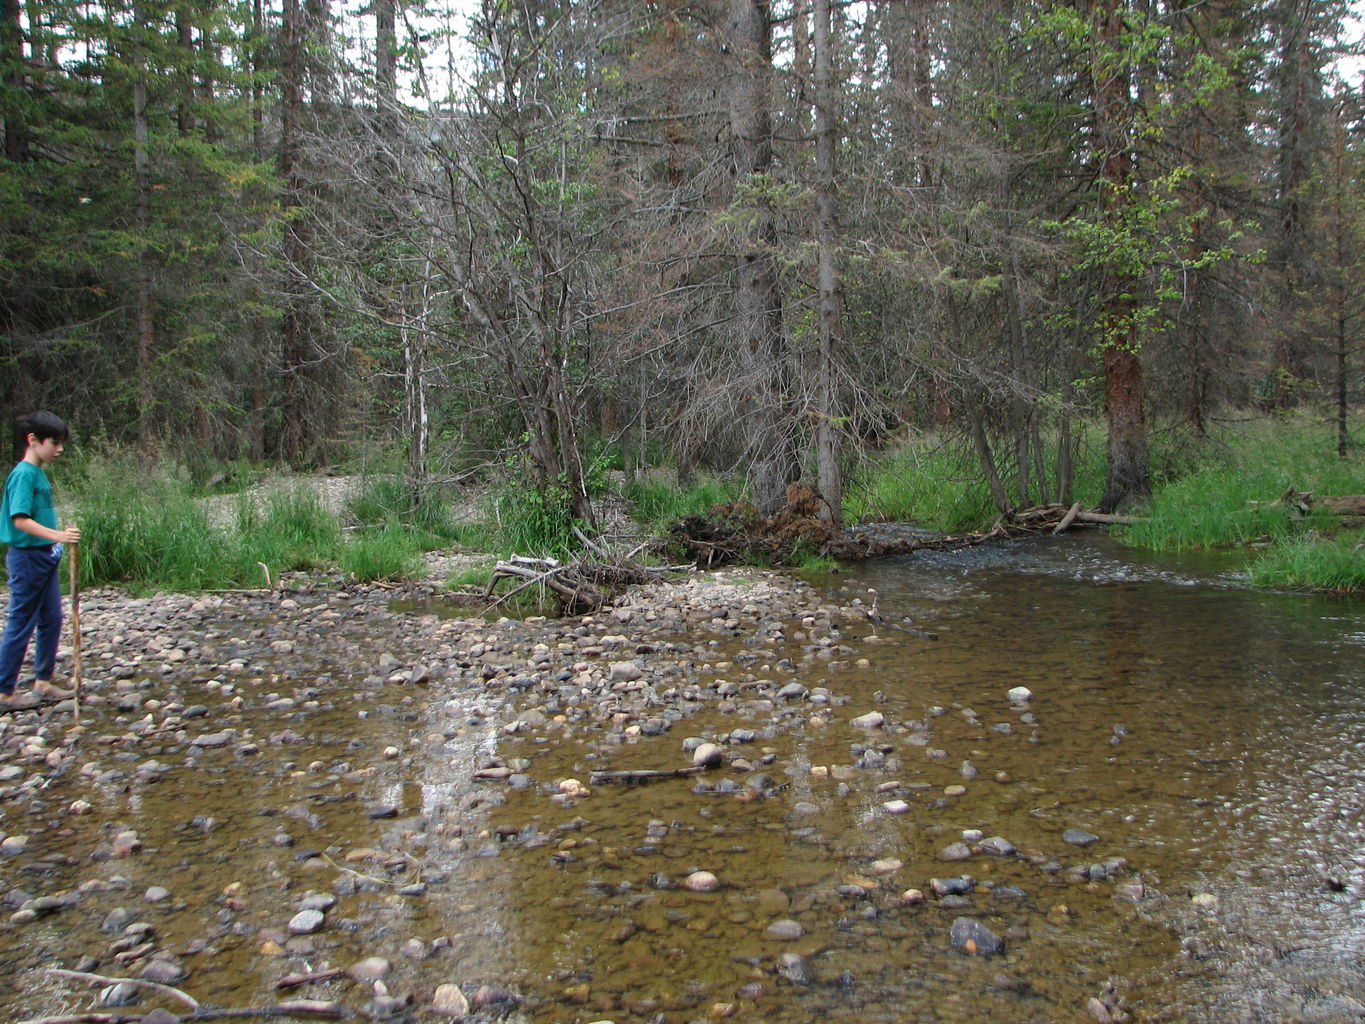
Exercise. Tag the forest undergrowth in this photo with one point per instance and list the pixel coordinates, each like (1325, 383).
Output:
(165, 528)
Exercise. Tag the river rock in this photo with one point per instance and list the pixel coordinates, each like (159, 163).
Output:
(794, 968)
(871, 720)
(701, 881)
(1079, 837)
(163, 972)
(449, 1001)
(371, 969)
(305, 922)
(970, 936)
(707, 755)
(1019, 694)
(785, 930)
(998, 846)
(952, 886)
(955, 851)
(625, 672)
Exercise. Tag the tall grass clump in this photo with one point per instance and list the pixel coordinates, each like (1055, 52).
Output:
(937, 485)
(388, 553)
(288, 529)
(656, 502)
(1313, 563)
(1228, 495)
(152, 535)
(387, 500)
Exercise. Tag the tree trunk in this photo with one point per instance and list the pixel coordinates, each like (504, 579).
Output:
(1129, 473)
(829, 458)
(295, 428)
(12, 65)
(770, 452)
(142, 218)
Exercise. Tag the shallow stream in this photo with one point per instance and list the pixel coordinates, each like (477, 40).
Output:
(1169, 829)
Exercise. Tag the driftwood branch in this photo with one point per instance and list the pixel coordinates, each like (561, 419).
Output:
(297, 1008)
(1302, 503)
(644, 774)
(295, 980)
(582, 586)
(100, 979)
(198, 1012)
(1068, 519)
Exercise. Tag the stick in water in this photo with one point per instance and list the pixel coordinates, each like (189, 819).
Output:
(74, 563)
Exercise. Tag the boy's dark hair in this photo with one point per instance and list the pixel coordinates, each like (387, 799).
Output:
(42, 425)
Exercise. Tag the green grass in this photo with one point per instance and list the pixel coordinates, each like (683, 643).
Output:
(152, 534)
(388, 553)
(935, 485)
(1314, 562)
(656, 502)
(147, 530)
(473, 575)
(390, 499)
(289, 530)
(1229, 494)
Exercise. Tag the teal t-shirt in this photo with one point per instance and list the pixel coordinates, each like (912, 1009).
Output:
(27, 493)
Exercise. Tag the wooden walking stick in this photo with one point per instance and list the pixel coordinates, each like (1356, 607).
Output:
(74, 563)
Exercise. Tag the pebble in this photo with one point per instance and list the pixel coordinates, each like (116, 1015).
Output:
(785, 930)
(1079, 837)
(707, 755)
(371, 969)
(449, 1001)
(305, 922)
(955, 851)
(970, 936)
(701, 881)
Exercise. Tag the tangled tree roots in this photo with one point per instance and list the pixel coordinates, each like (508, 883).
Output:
(735, 532)
(579, 587)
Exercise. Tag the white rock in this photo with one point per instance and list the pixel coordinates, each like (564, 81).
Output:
(871, 720)
(449, 1001)
(1020, 694)
(701, 881)
(708, 754)
(305, 922)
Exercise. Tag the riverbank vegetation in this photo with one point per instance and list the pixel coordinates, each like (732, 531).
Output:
(940, 261)
(1247, 484)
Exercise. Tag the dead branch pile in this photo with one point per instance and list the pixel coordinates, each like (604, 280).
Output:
(736, 532)
(579, 587)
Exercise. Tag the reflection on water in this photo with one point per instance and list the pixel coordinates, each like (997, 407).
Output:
(1209, 735)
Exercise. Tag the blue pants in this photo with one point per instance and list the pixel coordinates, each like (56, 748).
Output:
(35, 602)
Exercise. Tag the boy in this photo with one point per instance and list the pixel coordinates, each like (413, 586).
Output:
(28, 524)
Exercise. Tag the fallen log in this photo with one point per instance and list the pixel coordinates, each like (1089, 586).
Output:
(1302, 503)
(1067, 519)
(1344, 504)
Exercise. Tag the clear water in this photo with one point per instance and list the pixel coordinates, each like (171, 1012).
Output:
(1210, 736)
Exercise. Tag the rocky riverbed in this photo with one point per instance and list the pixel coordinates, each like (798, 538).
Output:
(335, 802)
